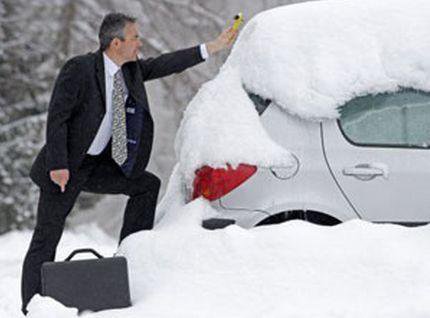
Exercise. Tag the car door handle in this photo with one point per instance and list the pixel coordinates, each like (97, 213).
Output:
(366, 171)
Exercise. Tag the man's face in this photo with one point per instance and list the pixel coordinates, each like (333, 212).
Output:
(129, 47)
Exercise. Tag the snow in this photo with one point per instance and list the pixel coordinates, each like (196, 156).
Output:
(220, 126)
(309, 58)
(315, 56)
(295, 269)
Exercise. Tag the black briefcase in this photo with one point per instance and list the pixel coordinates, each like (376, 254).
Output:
(89, 284)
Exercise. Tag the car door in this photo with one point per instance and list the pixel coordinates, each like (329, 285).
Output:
(378, 152)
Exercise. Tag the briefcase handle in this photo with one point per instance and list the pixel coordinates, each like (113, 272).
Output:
(82, 250)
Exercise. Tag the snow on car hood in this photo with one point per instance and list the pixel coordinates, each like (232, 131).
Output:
(309, 58)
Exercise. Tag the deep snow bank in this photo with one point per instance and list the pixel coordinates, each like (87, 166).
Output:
(356, 269)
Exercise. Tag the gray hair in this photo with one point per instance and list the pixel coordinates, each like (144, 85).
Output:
(113, 27)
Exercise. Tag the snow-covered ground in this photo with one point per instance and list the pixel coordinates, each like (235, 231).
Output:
(295, 269)
(14, 246)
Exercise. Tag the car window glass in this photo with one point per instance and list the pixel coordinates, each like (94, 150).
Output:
(398, 119)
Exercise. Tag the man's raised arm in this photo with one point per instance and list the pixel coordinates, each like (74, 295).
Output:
(178, 61)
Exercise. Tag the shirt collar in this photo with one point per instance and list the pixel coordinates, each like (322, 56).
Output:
(110, 65)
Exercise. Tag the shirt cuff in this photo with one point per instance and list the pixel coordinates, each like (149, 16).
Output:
(204, 51)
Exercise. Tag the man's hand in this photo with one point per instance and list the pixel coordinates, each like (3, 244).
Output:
(223, 41)
(60, 177)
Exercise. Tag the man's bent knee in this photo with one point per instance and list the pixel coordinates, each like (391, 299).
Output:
(146, 184)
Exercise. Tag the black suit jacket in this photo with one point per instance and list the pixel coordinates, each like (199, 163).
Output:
(77, 107)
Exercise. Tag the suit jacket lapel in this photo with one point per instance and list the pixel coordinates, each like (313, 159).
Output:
(127, 70)
(100, 73)
(128, 79)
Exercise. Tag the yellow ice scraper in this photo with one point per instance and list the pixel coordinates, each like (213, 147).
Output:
(238, 20)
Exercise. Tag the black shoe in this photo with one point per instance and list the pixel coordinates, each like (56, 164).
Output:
(24, 310)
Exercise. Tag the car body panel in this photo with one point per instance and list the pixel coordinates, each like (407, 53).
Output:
(400, 195)
(311, 188)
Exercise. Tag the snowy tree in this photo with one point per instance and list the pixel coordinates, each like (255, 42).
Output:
(35, 39)
(27, 68)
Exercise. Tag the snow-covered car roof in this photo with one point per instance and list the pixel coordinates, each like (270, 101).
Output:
(315, 56)
(310, 58)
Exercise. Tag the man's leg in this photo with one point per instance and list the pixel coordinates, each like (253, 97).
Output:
(140, 210)
(143, 193)
(52, 211)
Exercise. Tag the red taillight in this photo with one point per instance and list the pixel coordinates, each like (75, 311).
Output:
(214, 183)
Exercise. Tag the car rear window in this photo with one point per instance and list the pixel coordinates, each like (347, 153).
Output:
(390, 119)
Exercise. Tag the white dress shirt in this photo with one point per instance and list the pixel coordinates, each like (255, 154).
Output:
(105, 130)
(204, 51)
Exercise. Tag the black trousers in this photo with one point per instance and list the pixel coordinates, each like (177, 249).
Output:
(98, 174)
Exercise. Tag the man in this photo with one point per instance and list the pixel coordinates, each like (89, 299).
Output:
(99, 136)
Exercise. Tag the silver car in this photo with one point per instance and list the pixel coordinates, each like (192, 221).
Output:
(373, 163)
